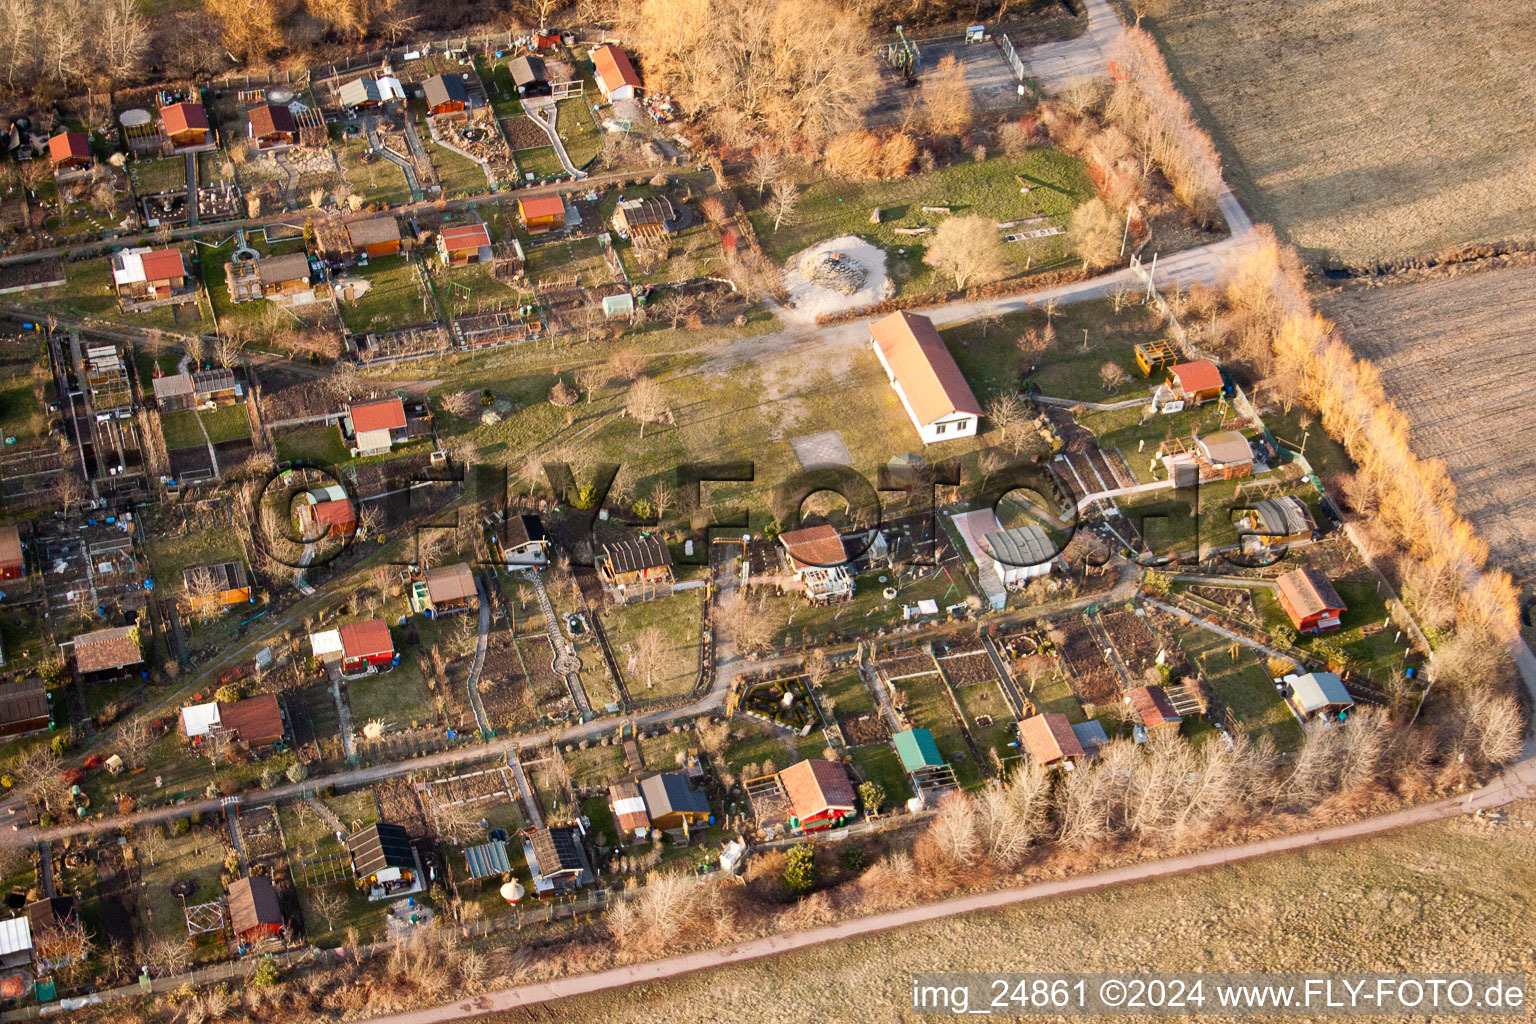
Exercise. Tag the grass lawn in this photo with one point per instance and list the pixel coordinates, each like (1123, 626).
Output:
(1379, 918)
(499, 86)
(318, 445)
(564, 258)
(87, 292)
(380, 181)
(158, 175)
(597, 765)
(398, 698)
(868, 609)
(227, 423)
(471, 289)
(197, 856)
(580, 133)
(168, 555)
(541, 162)
(929, 708)
(458, 175)
(848, 693)
(1243, 686)
(755, 744)
(990, 357)
(20, 416)
(878, 762)
(357, 912)
(985, 700)
(831, 208)
(678, 618)
(180, 429)
(393, 298)
(1053, 693)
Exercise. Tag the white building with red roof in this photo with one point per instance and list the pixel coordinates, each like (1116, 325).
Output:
(925, 377)
(616, 77)
(148, 274)
(376, 425)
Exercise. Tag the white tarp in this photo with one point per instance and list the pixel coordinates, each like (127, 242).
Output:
(328, 642)
(15, 935)
(200, 719)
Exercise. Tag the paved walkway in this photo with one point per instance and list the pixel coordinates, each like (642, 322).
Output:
(1057, 66)
(1519, 782)
(1156, 485)
(478, 665)
(545, 112)
(407, 167)
(1268, 652)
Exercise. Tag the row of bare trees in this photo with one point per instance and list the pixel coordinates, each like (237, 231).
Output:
(71, 41)
(1151, 111)
(1412, 498)
(1172, 792)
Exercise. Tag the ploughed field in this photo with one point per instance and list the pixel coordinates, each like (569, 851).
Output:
(1364, 129)
(1455, 353)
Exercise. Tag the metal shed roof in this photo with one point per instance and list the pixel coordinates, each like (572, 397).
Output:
(1021, 546)
(917, 749)
(487, 860)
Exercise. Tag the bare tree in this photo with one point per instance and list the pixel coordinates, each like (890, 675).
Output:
(330, 902)
(947, 96)
(196, 347)
(627, 364)
(989, 463)
(1006, 413)
(134, 741)
(765, 169)
(646, 403)
(651, 652)
(370, 519)
(816, 667)
(956, 829)
(674, 307)
(783, 203)
(169, 954)
(591, 376)
(229, 347)
(62, 945)
(202, 588)
(663, 499)
(1111, 376)
(968, 249)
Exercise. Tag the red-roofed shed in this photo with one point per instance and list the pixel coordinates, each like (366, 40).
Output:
(69, 150)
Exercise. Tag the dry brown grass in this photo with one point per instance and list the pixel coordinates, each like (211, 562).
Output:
(1367, 128)
(1444, 896)
(1453, 355)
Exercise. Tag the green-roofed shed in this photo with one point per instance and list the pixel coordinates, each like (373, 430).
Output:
(917, 750)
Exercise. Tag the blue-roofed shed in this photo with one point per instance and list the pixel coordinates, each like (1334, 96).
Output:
(487, 860)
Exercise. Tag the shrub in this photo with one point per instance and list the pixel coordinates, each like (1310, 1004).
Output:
(855, 154)
(800, 874)
(59, 743)
(266, 973)
(180, 827)
(853, 856)
(298, 772)
(228, 693)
